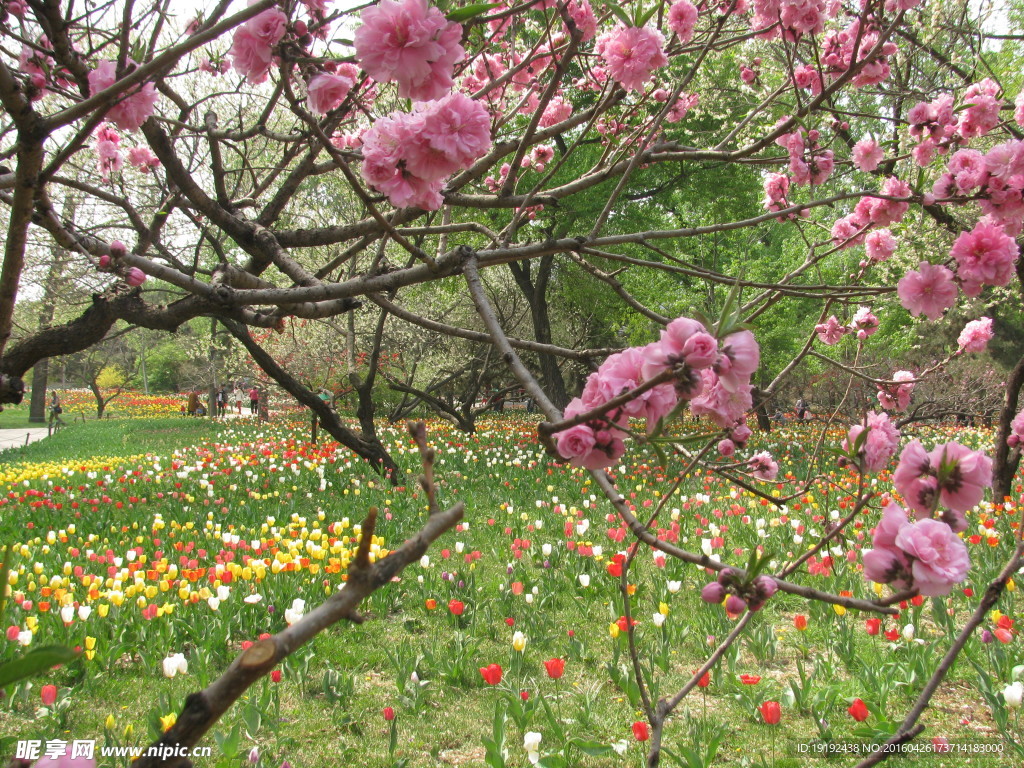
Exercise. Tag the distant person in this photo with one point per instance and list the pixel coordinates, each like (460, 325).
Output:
(55, 410)
(801, 409)
(254, 401)
(238, 396)
(193, 403)
(222, 401)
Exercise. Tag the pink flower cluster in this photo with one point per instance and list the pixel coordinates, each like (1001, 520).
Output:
(682, 18)
(1016, 436)
(808, 163)
(795, 17)
(984, 256)
(996, 177)
(838, 50)
(763, 466)
(252, 48)
(631, 54)
(713, 376)
(134, 108)
(872, 212)
(108, 151)
(951, 476)
(327, 90)
(410, 156)
(926, 555)
(976, 335)
(143, 159)
(412, 44)
(929, 290)
(867, 154)
(879, 443)
(864, 324)
(896, 397)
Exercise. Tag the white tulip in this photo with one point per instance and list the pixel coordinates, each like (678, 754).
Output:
(584, 579)
(1013, 694)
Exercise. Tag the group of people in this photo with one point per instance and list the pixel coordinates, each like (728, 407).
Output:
(223, 400)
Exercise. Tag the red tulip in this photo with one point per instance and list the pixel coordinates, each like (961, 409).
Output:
(892, 635)
(873, 626)
(800, 622)
(771, 711)
(491, 674)
(275, 676)
(640, 732)
(524, 695)
(555, 668)
(750, 679)
(704, 681)
(1004, 635)
(48, 693)
(456, 607)
(431, 604)
(389, 713)
(858, 710)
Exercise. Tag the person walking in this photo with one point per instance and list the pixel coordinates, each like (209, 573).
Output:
(222, 402)
(254, 401)
(238, 396)
(55, 411)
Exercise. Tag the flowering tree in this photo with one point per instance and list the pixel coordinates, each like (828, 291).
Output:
(253, 166)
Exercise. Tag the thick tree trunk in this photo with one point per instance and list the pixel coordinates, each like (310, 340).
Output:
(37, 406)
(535, 291)
(1006, 461)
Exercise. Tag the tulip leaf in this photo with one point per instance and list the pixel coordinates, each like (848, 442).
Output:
(5, 567)
(551, 761)
(592, 748)
(35, 661)
(460, 15)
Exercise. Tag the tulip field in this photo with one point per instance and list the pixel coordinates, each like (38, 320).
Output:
(162, 556)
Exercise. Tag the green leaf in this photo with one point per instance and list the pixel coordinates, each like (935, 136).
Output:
(35, 661)
(645, 17)
(466, 13)
(5, 567)
(620, 14)
(551, 761)
(592, 748)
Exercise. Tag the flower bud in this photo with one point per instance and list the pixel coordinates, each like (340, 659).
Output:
(713, 593)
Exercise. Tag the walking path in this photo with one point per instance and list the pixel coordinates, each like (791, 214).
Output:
(16, 438)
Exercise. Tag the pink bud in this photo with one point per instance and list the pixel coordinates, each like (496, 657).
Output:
(300, 28)
(928, 199)
(136, 277)
(105, 261)
(726, 447)
(712, 593)
(117, 249)
(735, 604)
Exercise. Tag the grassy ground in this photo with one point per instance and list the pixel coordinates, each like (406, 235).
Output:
(327, 710)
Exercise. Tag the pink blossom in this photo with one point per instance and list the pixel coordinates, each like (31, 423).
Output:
(328, 90)
(867, 154)
(412, 44)
(1016, 436)
(763, 466)
(864, 323)
(726, 447)
(133, 109)
(807, 78)
(956, 473)
(583, 16)
(142, 158)
(64, 760)
(601, 448)
(976, 335)
(984, 256)
(135, 277)
(776, 187)
(269, 26)
(879, 245)
(831, 331)
(722, 406)
(1006, 160)
(458, 127)
(631, 54)
(250, 55)
(557, 110)
(886, 563)
(938, 557)
(739, 359)
(682, 18)
(747, 75)
(684, 341)
(879, 444)
(929, 290)
(896, 397)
